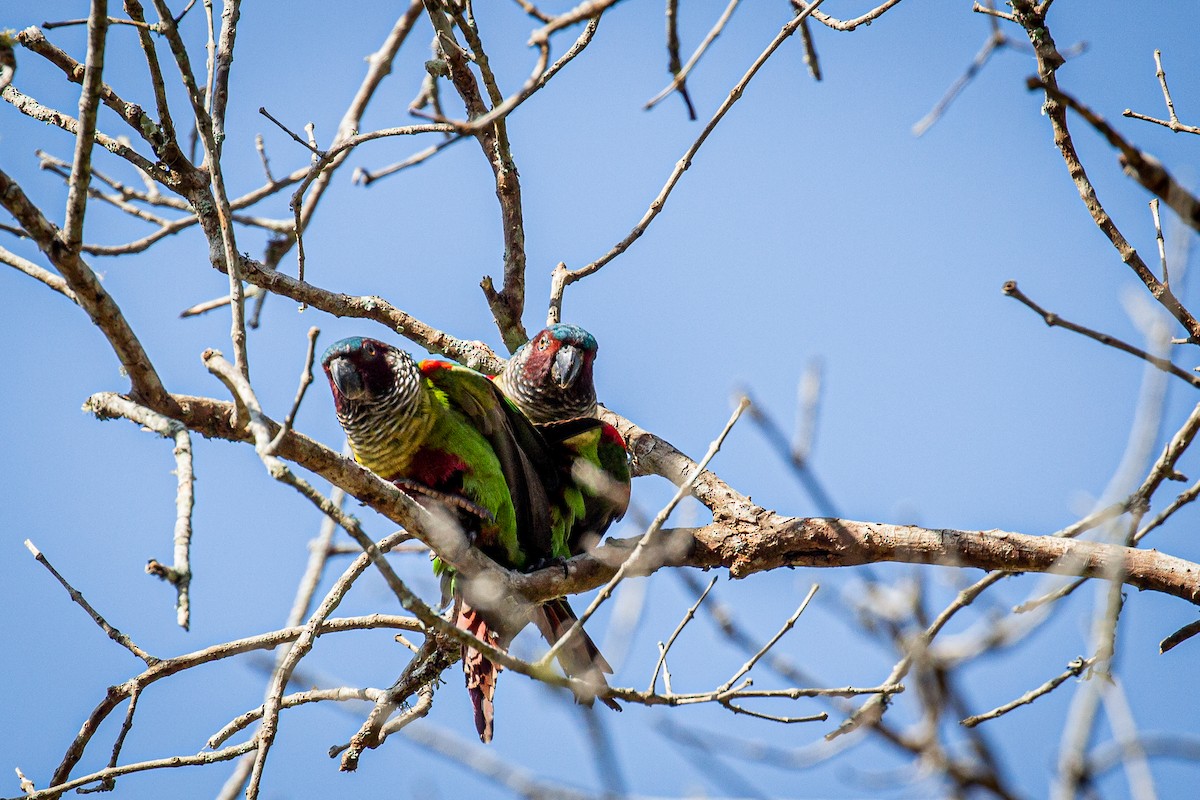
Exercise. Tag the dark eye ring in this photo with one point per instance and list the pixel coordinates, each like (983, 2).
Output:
(369, 349)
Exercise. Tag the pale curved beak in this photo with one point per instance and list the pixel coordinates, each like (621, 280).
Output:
(346, 378)
(568, 362)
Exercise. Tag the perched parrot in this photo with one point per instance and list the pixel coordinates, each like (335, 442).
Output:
(446, 434)
(550, 380)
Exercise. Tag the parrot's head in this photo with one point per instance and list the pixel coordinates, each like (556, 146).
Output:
(369, 376)
(550, 377)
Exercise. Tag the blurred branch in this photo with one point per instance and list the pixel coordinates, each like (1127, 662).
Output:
(632, 562)
(172, 666)
(810, 51)
(795, 456)
(319, 551)
(269, 719)
(483, 762)
(996, 40)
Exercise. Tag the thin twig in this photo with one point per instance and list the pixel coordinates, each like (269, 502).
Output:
(630, 563)
(77, 596)
(340, 694)
(1172, 121)
(295, 136)
(89, 104)
(762, 651)
(30, 107)
(1158, 237)
(1054, 320)
(262, 156)
(47, 277)
(306, 379)
(108, 784)
(688, 617)
(682, 165)
(1074, 669)
(680, 74)
(319, 551)
(678, 77)
(845, 25)
(215, 303)
(1179, 637)
(111, 21)
(1143, 168)
(109, 773)
(364, 177)
(300, 648)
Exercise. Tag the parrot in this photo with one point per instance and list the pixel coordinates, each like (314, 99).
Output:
(446, 435)
(549, 379)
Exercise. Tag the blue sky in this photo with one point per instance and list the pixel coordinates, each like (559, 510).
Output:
(811, 224)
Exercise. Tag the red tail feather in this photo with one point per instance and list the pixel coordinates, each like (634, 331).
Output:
(481, 674)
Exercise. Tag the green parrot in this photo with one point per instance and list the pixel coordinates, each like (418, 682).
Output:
(550, 380)
(446, 435)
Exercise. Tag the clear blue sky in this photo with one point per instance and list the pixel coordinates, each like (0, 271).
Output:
(811, 224)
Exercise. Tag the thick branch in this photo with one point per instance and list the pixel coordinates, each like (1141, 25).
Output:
(508, 303)
(776, 541)
(100, 306)
(750, 542)
(474, 354)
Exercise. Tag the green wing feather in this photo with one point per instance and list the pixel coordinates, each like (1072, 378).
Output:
(528, 471)
(598, 463)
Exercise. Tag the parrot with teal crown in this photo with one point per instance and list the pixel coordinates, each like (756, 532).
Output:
(446, 434)
(550, 380)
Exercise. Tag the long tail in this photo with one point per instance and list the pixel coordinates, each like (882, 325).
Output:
(580, 658)
(481, 674)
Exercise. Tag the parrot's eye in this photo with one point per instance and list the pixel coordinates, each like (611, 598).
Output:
(369, 349)
(543, 343)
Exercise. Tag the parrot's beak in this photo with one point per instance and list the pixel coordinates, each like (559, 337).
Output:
(346, 378)
(568, 361)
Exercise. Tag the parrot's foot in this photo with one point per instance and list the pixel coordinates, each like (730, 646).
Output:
(555, 561)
